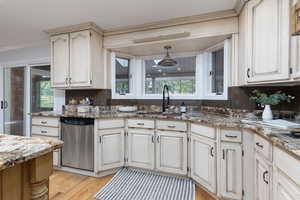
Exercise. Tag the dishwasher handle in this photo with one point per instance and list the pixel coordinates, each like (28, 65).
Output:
(77, 121)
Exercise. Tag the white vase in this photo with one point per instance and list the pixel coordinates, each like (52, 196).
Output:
(267, 114)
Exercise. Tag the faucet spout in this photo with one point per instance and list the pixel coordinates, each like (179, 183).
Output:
(165, 104)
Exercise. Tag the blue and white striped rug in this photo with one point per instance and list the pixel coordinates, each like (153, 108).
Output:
(133, 184)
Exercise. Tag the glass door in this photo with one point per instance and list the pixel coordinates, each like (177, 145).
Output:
(13, 102)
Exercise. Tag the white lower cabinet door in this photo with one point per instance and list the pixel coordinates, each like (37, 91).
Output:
(111, 154)
(263, 174)
(203, 162)
(284, 187)
(231, 170)
(171, 152)
(141, 148)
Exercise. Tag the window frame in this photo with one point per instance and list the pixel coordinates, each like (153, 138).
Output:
(137, 75)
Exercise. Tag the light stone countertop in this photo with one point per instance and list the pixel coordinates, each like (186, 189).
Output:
(279, 137)
(17, 149)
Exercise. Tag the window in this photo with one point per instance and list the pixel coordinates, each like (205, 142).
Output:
(180, 79)
(122, 76)
(198, 75)
(46, 94)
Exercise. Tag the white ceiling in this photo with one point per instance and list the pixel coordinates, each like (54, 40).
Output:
(22, 22)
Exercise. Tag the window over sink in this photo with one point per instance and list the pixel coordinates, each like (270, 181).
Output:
(198, 75)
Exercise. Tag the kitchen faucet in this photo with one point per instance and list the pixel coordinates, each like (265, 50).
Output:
(164, 104)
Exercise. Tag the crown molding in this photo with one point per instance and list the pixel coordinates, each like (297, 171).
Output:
(240, 5)
(75, 28)
(172, 22)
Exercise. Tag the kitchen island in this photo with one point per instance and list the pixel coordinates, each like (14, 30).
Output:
(25, 167)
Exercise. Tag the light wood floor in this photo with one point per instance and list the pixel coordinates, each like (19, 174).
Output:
(67, 186)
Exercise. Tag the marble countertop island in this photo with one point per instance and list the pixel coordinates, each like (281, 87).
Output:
(16, 149)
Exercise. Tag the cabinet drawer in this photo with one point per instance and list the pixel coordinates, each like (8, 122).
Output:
(45, 131)
(108, 124)
(263, 147)
(203, 131)
(45, 121)
(171, 125)
(231, 135)
(140, 123)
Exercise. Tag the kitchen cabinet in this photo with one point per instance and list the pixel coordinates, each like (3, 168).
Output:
(231, 170)
(203, 161)
(111, 149)
(264, 42)
(59, 60)
(171, 152)
(263, 176)
(141, 148)
(77, 61)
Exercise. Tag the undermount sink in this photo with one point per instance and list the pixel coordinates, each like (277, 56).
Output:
(158, 113)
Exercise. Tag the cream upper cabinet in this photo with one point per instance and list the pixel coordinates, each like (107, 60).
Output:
(171, 152)
(295, 57)
(231, 170)
(111, 149)
(141, 148)
(267, 40)
(78, 61)
(59, 60)
(263, 177)
(203, 161)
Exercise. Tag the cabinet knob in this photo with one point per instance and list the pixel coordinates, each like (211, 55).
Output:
(259, 145)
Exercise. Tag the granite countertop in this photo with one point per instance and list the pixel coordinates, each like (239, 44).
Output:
(279, 137)
(17, 149)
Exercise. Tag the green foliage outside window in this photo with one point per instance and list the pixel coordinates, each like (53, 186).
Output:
(46, 94)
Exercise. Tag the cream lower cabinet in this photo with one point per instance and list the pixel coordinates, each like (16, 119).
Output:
(141, 148)
(203, 161)
(262, 181)
(231, 170)
(111, 149)
(171, 152)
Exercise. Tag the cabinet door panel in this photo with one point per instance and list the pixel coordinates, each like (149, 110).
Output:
(231, 170)
(111, 149)
(268, 30)
(141, 148)
(80, 53)
(59, 60)
(285, 188)
(262, 179)
(203, 162)
(172, 152)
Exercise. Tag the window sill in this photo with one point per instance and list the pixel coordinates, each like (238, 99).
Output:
(171, 97)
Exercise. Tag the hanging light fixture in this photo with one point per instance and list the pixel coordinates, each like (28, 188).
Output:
(167, 61)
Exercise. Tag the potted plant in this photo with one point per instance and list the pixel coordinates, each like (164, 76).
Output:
(267, 100)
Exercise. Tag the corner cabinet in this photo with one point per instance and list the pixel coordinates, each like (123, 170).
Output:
(231, 170)
(77, 61)
(171, 149)
(268, 40)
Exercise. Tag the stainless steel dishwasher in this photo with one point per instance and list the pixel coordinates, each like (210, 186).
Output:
(78, 148)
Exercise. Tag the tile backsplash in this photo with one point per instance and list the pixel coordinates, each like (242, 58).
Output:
(238, 98)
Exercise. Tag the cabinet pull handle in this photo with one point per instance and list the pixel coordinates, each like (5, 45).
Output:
(70, 80)
(223, 154)
(158, 139)
(248, 72)
(259, 145)
(66, 81)
(170, 126)
(43, 131)
(211, 152)
(140, 124)
(264, 177)
(153, 139)
(231, 136)
(100, 139)
(43, 122)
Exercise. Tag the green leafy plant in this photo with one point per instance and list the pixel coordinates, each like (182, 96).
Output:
(272, 99)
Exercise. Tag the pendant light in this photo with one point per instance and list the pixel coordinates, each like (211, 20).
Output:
(168, 61)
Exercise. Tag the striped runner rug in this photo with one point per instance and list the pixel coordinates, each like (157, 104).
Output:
(134, 184)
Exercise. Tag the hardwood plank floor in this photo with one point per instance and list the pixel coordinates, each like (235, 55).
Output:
(68, 186)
